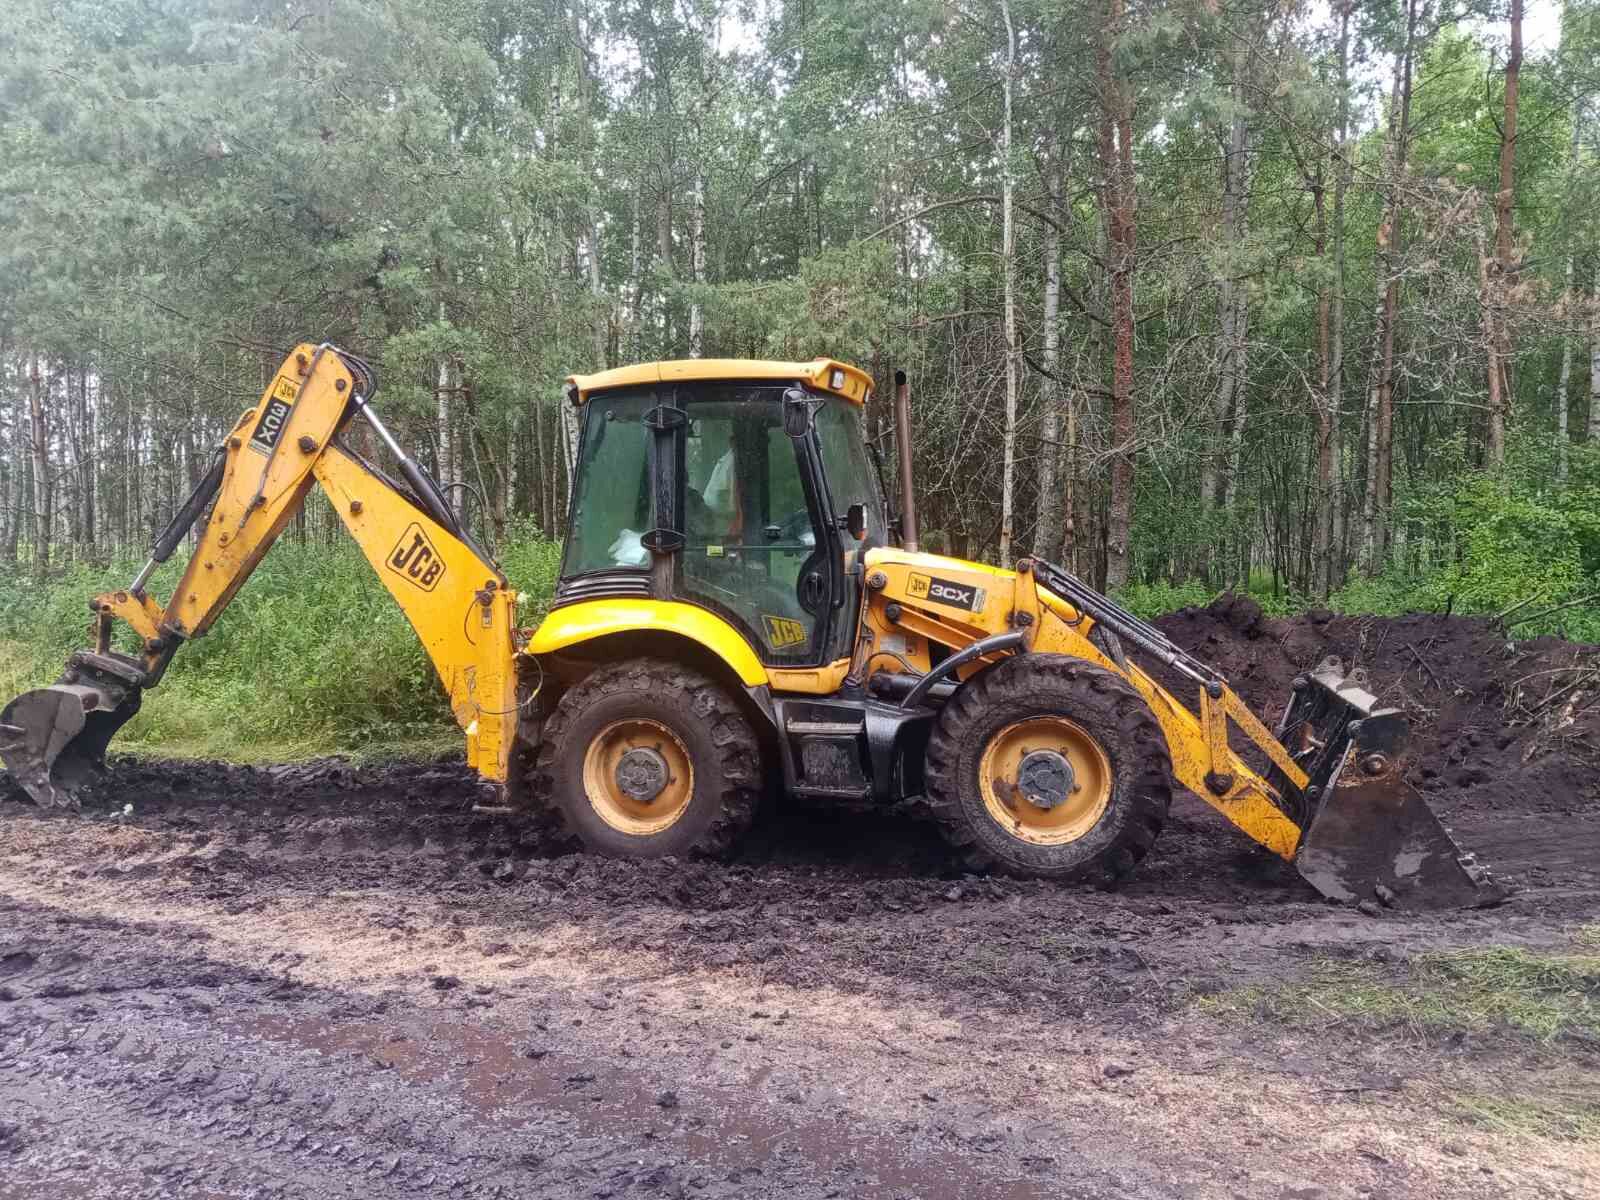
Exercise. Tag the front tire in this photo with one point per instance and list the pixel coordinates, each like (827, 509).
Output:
(1049, 767)
(645, 759)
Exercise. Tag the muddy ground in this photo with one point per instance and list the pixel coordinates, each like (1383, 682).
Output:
(332, 981)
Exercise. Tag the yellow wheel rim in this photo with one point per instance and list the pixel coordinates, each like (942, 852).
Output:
(1045, 780)
(638, 776)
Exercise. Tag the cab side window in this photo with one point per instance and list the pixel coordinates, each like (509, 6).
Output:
(611, 510)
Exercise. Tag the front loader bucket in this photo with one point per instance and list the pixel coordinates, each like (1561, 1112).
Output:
(53, 740)
(1367, 833)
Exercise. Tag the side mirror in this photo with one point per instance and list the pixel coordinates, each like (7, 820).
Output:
(797, 410)
(855, 521)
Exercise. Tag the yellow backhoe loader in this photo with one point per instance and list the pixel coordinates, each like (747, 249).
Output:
(734, 608)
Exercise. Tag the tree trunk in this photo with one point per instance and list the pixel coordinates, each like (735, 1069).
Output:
(599, 318)
(1115, 144)
(1494, 446)
(1053, 511)
(89, 459)
(1570, 299)
(16, 468)
(1008, 258)
(1380, 390)
(72, 498)
(1322, 526)
(543, 469)
(697, 263)
(635, 281)
(40, 445)
(1231, 308)
(1238, 372)
(1563, 438)
(1593, 431)
(442, 433)
(663, 315)
(1333, 567)
(1504, 271)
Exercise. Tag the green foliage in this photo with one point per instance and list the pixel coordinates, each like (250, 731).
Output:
(1485, 542)
(312, 656)
(1150, 600)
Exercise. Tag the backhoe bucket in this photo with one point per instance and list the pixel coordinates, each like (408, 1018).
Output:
(1367, 833)
(53, 740)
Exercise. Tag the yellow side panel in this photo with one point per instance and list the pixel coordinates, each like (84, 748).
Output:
(975, 598)
(809, 681)
(579, 623)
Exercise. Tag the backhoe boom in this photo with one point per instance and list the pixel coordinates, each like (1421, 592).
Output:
(454, 597)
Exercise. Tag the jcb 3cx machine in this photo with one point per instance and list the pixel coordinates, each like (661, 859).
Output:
(734, 609)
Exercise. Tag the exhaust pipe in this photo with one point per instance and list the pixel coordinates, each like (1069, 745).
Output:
(902, 447)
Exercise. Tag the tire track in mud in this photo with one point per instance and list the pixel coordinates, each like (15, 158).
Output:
(217, 1078)
(221, 1077)
(168, 1078)
(813, 898)
(1006, 1002)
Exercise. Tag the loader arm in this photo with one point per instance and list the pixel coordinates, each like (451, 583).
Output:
(455, 598)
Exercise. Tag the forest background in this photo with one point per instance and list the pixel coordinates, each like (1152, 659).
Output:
(1294, 298)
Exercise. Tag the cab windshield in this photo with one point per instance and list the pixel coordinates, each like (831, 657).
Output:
(852, 478)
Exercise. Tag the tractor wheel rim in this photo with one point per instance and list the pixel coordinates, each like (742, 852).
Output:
(1058, 819)
(612, 769)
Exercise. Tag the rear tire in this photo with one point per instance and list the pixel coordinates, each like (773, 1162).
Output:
(1094, 753)
(647, 758)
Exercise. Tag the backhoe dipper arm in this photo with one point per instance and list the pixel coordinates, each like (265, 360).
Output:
(453, 595)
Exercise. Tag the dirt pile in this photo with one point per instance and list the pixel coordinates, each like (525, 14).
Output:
(1497, 724)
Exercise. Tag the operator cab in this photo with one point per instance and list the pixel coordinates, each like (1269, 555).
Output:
(730, 485)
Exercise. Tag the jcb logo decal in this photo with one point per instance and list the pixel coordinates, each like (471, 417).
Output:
(782, 631)
(415, 558)
(945, 591)
(274, 416)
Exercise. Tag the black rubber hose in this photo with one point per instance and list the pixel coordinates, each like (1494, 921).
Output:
(429, 494)
(183, 520)
(988, 645)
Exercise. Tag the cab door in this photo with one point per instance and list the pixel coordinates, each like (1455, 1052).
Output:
(756, 548)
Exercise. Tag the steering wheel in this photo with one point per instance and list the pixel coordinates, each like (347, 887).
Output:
(793, 528)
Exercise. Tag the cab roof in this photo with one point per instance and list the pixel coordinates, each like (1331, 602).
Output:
(823, 374)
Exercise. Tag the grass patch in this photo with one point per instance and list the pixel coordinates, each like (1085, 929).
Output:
(1567, 1119)
(312, 657)
(1542, 997)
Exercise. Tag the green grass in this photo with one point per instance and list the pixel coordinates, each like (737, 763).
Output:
(312, 657)
(1562, 1118)
(1540, 997)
